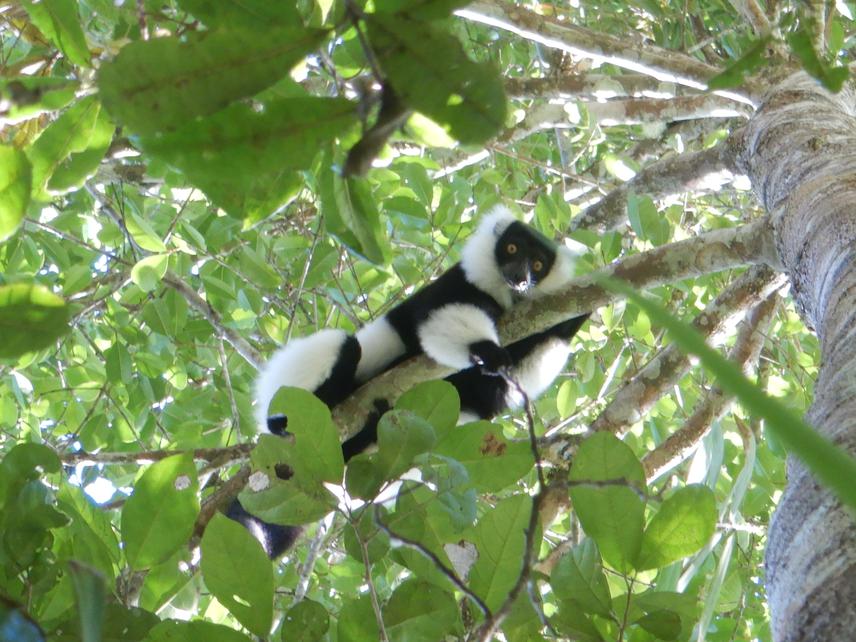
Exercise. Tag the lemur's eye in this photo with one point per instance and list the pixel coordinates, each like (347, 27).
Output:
(537, 266)
(511, 248)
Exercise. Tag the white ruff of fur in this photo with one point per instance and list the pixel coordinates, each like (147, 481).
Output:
(380, 346)
(560, 274)
(538, 370)
(302, 363)
(447, 333)
(478, 259)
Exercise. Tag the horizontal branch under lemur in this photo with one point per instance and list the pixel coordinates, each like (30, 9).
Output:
(706, 253)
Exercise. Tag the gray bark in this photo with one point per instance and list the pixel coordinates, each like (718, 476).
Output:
(800, 154)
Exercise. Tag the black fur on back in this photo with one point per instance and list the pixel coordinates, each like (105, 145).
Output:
(450, 287)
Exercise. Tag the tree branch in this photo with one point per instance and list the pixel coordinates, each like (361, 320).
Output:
(680, 444)
(211, 315)
(636, 396)
(670, 66)
(222, 456)
(690, 171)
(709, 252)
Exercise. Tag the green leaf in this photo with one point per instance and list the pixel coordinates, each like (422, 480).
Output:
(158, 517)
(143, 233)
(401, 436)
(579, 577)
(59, 22)
(164, 83)
(366, 531)
(30, 96)
(802, 46)
(420, 9)
(611, 514)
(831, 465)
(31, 318)
(431, 73)
(420, 611)
(751, 60)
(176, 631)
(246, 160)
(69, 134)
(665, 625)
(238, 573)
(684, 523)
(15, 184)
(306, 621)
(357, 622)
(258, 15)
(73, 171)
(91, 594)
(148, 272)
(312, 455)
(437, 402)
(492, 461)
(499, 537)
(351, 215)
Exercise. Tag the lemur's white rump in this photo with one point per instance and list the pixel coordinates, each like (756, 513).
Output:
(538, 370)
(479, 260)
(302, 363)
(380, 345)
(449, 330)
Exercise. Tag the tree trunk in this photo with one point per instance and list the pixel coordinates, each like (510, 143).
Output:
(800, 152)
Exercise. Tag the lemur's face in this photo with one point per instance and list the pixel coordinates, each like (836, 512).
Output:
(524, 257)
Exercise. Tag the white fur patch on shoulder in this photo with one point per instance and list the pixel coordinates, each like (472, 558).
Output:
(449, 330)
(478, 259)
(380, 345)
(560, 274)
(302, 363)
(539, 369)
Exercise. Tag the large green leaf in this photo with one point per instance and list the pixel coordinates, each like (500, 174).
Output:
(684, 523)
(158, 517)
(238, 572)
(312, 455)
(500, 539)
(431, 73)
(31, 318)
(419, 611)
(612, 514)
(69, 134)
(81, 164)
(90, 595)
(15, 182)
(306, 621)
(164, 83)
(246, 160)
(492, 460)
(579, 578)
(59, 22)
(29, 96)
(178, 631)
(259, 15)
